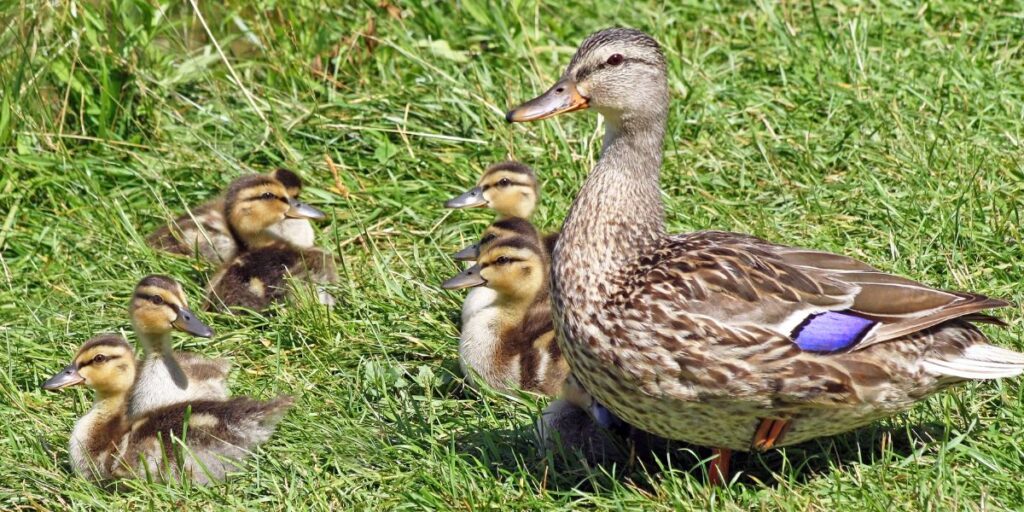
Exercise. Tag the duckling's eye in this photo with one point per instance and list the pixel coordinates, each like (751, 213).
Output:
(268, 195)
(615, 59)
(156, 299)
(99, 359)
(502, 260)
(504, 182)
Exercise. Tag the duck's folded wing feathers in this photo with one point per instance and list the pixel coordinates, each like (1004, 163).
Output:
(742, 280)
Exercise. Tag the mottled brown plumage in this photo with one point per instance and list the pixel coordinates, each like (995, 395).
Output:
(202, 231)
(198, 440)
(265, 267)
(703, 336)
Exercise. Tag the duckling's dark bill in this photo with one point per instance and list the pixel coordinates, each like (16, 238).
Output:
(466, 279)
(188, 322)
(559, 99)
(67, 377)
(468, 253)
(303, 211)
(469, 199)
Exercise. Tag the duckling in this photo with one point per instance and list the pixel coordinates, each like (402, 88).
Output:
(480, 297)
(203, 230)
(107, 443)
(509, 343)
(509, 188)
(158, 307)
(256, 277)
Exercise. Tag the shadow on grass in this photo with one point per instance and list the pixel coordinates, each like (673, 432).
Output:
(638, 457)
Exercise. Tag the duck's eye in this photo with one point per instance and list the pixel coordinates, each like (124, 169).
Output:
(504, 182)
(502, 260)
(615, 59)
(156, 299)
(268, 195)
(99, 359)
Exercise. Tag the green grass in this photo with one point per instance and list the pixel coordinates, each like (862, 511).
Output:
(891, 133)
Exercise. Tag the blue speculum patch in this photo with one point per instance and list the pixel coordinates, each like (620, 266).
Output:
(831, 331)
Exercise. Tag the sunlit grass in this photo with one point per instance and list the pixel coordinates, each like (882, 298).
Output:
(889, 133)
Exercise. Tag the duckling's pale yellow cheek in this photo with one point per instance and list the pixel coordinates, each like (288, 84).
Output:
(148, 320)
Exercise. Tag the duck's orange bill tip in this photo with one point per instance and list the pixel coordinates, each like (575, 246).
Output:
(560, 98)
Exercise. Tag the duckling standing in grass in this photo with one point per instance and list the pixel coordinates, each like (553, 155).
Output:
(203, 230)
(257, 276)
(509, 188)
(198, 440)
(158, 307)
(510, 342)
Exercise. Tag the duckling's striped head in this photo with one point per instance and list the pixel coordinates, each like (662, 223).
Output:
(254, 203)
(105, 363)
(620, 72)
(159, 305)
(509, 188)
(510, 227)
(514, 266)
(291, 181)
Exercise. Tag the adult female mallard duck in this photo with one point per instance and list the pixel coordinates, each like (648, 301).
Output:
(723, 339)
(510, 342)
(198, 440)
(203, 230)
(159, 307)
(510, 189)
(258, 274)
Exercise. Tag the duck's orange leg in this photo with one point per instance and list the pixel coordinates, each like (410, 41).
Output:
(769, 433)
(718, 470)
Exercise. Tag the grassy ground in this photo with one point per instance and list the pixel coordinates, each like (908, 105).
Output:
(889, 133)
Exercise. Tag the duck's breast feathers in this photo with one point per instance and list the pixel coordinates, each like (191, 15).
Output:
(822, 301)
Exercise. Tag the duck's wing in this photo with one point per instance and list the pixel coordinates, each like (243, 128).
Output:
(823, 302)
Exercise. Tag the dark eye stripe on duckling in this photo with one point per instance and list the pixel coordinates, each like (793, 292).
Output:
(98, 358)
(158, 300)
(831, 331)
(516, 243)
(505, 182)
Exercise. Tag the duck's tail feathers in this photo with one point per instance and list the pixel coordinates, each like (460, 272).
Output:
(981, 361)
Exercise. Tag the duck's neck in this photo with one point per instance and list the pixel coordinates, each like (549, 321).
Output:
(618, 213)
(158, 346)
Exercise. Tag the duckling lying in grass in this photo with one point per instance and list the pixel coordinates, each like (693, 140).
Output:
(203, 230)
(258, 274)
(512, 190)
(158, 307)
(198, 440)
(510, 342)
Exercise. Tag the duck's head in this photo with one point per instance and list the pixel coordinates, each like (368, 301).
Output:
(159, 306)
(512, 226)
(255, 203)
(105, 363)
(513, 266)
(509, 188)
(619, 72)
(291, 181)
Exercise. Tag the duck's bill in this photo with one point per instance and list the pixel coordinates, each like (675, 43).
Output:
(560, 98)
(466, 279)
(301, 210)
(468, 253)
(188, 322)
(67, 377)
(469, 199)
